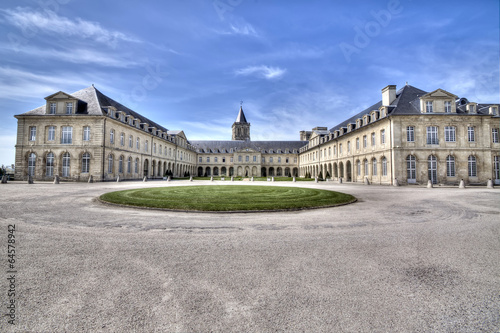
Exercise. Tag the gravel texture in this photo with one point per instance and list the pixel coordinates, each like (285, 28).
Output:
(401, 259)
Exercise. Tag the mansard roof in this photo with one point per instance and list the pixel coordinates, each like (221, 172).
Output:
(208, 146)
(407, 102)
(96, 101)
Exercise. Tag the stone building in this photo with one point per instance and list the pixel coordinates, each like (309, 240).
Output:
(410, 135)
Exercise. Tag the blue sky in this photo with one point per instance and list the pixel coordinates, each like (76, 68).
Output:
(294, 64)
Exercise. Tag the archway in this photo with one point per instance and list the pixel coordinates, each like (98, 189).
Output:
(348, 171)
(146, 168)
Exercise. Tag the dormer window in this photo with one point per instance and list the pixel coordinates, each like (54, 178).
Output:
(472, 108)
(494, 110)
(429, 107)
(447, 107)
(52, 108)
(69, 108)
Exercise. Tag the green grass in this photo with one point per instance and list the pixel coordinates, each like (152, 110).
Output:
(228, 198)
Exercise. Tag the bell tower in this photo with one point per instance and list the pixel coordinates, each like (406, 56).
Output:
(241, 128)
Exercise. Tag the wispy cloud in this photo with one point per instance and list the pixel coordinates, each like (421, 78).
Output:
(262, 71)
(51, 23)
(23, 84)
(76, 56)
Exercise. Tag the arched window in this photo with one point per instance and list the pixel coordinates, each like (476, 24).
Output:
(411, 169)
(65, 165)
(85, 163)
(450, 166)
(432, 168)
(472, 166)
(384, 166)
(374, 167)
(358, 166)
(49, 167)
(110, 163)
(366, 167)
(129, 165)
(136, 167)
(31, 164)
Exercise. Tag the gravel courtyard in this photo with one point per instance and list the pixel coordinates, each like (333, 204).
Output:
(401, 259)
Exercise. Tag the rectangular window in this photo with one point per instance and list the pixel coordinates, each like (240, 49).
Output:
(270, 160)
(130, 142)
(122, 139)
(447, 106)
(137, 144)
(382, 136)
(247, 158)
(215, 159)
(154, 148)
(364, 141)
(449, 134)
(32, 133)
(69, 108)
(357, 145)
(263, 160)
(200, 159)
(146, 146)
(432, 135)
(255, 158)
(86, 133)
(428, 107)
(494, 135)
(208, 159)
(340, 149)
(472, 166)
(67, 135)
(279, 159)
(373, 139)
(52, 133)
(223, 160)
(472, 109)
(52, 108)
(470, 134)
(112, 136)
(348, 146)
(410, 134)
(231, 160)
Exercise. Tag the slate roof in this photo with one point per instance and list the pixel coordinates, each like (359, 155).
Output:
(241, 116)
(261, 146)
(407, 102)
(96, 101)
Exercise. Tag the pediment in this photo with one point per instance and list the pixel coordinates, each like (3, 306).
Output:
(439, 93)
(60, 95)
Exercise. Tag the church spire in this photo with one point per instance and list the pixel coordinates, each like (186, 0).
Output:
(241, 116)
(241, 127)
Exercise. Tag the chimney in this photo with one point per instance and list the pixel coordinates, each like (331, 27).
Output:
(388, 95)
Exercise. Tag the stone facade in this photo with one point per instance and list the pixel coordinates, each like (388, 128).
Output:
(410, 136)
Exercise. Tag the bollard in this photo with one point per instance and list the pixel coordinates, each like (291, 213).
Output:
(191, 178)
(91, 179)
(294, 180)
(396, 182)
(462, 184)
(367, 182)
(429, 184)
(30, 179)
(145, 179)
(56, 179)
(232, 178)
(489, 184)
(168, 178)
(118, 179)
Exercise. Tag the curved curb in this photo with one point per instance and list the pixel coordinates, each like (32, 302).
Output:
(107, 203)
